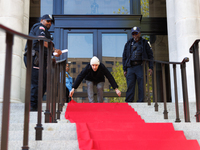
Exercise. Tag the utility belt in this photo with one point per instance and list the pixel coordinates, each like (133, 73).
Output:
(35, 56)
(135, 63)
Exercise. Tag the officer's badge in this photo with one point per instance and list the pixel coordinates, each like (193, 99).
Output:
(67, 75)
(42, 28)
(50, 17)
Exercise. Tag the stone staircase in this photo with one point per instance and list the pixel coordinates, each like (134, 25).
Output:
(55, 136)
(62, 135)
(191, 129)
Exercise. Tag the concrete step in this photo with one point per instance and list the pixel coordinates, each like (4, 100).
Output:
(46, 135)
(149, 114)
(191, 130)
(62, 133)
(46, 126)
(45, 145)
(20, 107)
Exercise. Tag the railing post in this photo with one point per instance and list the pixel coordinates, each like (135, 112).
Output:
(47, 112)
(58, 91)
(185, 91)
(144, 78)
(39, 127)
(176, 94)
(27, 96)
(53, 88)
(62, 83)
(64, 86)
(54, 97)
(148, 96)
(195, 50)
(155, 86)
(6, 93)
(164, 92)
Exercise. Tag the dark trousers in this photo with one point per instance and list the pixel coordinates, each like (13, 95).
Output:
(68, 99)
(34, 84)
(134, 73)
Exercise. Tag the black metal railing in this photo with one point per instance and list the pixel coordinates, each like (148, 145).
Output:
(55, 96)
(194, 49)
(56, 90)
(184, 87)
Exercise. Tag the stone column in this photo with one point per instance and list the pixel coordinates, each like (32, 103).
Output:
(183, 29)
(15, 15)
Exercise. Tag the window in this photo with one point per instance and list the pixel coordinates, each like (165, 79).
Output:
(110, 69)
(84, 81)
(110, 62)
(73, 79)
(84, 88)
(110, 87)
(96, 7)
(74, 63)
(73, 70)
(46, 7)
(85, 63)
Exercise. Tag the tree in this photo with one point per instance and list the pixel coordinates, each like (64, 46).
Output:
(145, 8)
(118, 74)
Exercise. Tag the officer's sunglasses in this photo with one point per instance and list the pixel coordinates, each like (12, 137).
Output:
(48, 21)
(135, 33)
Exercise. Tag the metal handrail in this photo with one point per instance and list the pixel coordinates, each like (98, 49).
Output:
(56, 92)
(7, 85)
(56, 78)
(194, 49)
(184, 86)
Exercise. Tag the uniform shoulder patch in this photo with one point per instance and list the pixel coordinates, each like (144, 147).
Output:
(67, 75)
(42, 28)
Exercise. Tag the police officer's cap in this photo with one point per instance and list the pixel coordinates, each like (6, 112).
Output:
(135, 29)
(47, 17)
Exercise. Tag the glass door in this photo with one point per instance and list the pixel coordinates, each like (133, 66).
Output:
(112, 46)
(82, 45)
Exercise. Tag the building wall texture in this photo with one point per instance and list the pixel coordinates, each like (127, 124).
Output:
(183, 29)
(15, 15)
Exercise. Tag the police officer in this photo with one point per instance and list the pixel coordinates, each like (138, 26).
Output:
(135, 50)
(39, 29)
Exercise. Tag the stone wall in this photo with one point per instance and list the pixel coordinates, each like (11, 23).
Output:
(15, 15)
(183, 29)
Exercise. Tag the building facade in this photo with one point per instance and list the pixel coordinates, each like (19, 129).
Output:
(101, 28)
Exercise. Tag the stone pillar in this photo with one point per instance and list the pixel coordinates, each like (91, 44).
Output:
(183, 29)
(15, 15)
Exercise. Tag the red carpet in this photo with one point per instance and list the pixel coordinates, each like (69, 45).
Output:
(116, 126)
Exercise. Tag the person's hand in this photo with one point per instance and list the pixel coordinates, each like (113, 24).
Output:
(118, 92)
(71, 92)
(150, 71)
(45, 44)
(57, 52)
(125, 73)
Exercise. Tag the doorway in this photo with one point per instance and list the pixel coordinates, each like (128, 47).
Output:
(82, 45)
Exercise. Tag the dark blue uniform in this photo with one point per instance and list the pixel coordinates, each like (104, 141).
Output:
(134, 53)
(38, 29)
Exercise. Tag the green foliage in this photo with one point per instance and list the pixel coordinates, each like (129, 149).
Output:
(118, 74)
(145, 8)
(122, 10)
(146, 37)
